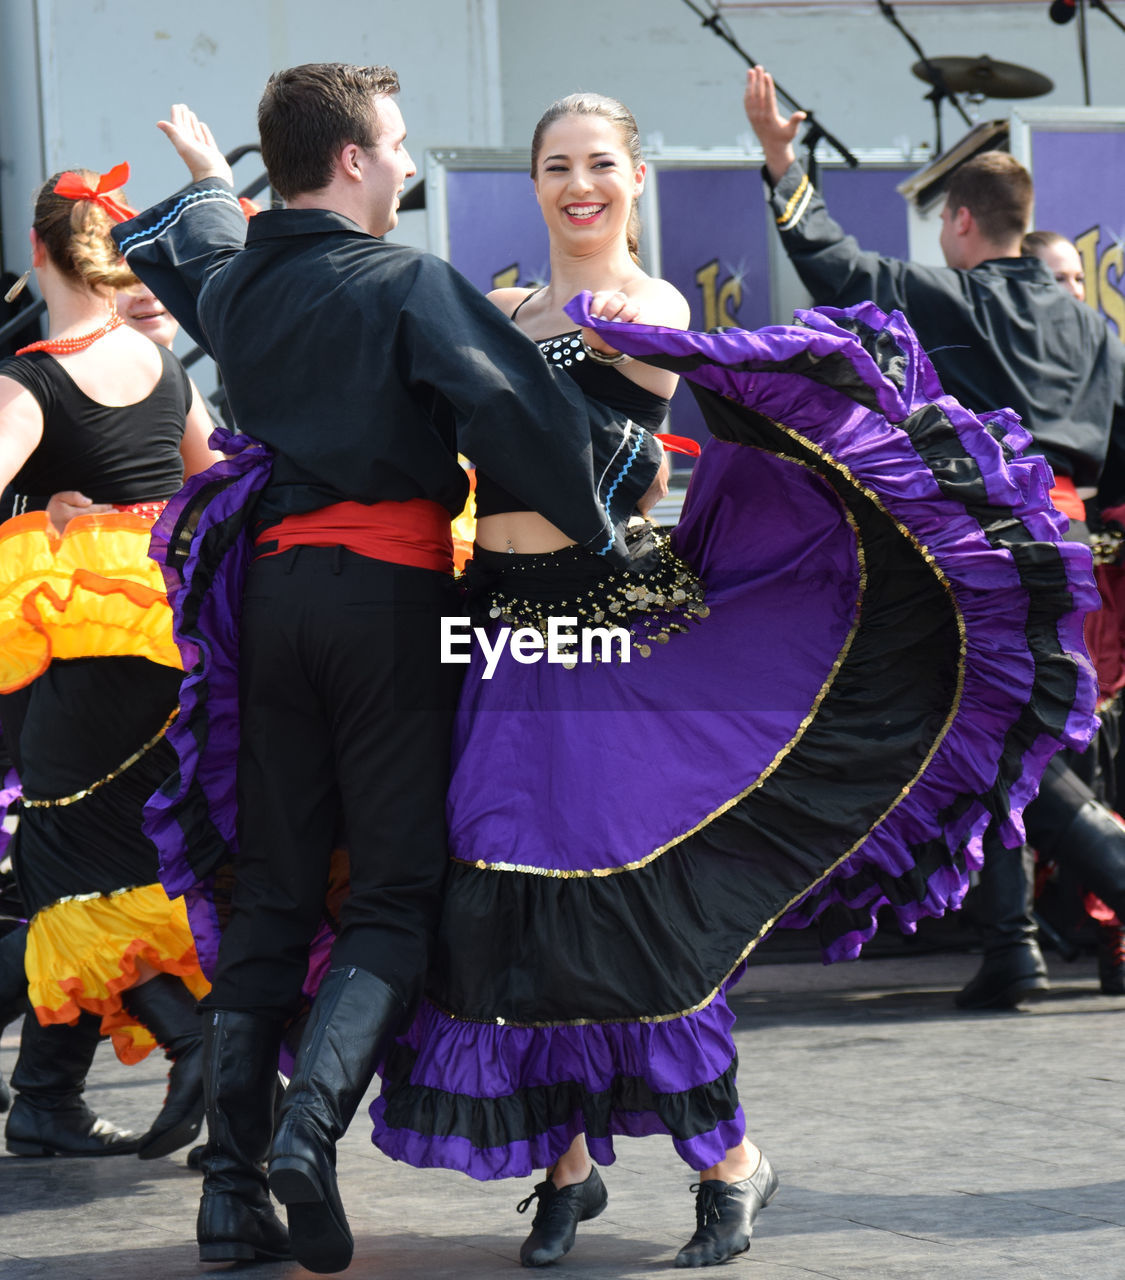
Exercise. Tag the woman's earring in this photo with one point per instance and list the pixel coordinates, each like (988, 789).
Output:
(16, 289)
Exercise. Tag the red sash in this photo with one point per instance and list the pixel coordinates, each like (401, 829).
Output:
(415, 532)
(1065, 498)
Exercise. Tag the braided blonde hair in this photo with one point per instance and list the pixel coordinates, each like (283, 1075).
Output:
(77, 239)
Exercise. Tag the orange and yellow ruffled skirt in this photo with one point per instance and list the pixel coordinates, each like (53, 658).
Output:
(84, 952)
(90, 592)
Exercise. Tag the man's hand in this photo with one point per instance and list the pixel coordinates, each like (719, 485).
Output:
(609, 305)
(67, 504)
(195, 144)
(773, 130)
(658, 489)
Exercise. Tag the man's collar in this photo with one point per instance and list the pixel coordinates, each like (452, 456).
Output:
(272, 224)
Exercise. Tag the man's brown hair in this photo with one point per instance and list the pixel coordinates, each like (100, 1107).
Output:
(308, 113)
(996, 189)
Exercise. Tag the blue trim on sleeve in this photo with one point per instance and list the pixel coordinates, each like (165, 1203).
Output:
(192, 197)
(624, 472)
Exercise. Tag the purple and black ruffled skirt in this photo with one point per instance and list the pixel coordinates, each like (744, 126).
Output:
(892, 653)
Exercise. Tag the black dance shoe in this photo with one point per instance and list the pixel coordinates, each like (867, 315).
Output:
(725, 1213)
(557, 1216)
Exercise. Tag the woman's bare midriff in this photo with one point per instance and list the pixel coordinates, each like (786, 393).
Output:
(522, 532)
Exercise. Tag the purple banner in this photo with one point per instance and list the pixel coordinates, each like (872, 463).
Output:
(496, 235)
(1080, 192)
(713, 248)
(865, 203)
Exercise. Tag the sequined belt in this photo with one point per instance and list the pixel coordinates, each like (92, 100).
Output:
(527, 590)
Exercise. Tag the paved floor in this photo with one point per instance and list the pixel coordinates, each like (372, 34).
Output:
(912, 1142)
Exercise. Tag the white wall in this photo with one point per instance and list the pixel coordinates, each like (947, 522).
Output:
(83, 81)
(108, 69)
(845, 62)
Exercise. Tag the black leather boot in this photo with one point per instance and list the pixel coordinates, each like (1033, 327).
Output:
(557, 1216)
(1013, 964)
(168, 1009)
(237, 1222)
(1111, 959)
(13, 990)
(1069, 825)
(353, 1018)
(725, 1213)
(49, 1116)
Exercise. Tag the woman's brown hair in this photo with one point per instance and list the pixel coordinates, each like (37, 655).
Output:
(597, 104)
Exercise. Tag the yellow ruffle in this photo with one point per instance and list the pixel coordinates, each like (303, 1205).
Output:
(83, 952)
(93, 592)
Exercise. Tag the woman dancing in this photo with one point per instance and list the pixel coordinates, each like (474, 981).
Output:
(861, 644)
(98, 410)
(876, 673)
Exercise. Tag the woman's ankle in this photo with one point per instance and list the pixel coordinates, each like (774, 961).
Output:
(739, 1163)
(572, 1167)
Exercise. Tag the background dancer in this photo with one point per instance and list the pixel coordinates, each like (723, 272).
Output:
(1000, 333)
(87, 635)
(622, 836)
(1061, 258)
(360, 364)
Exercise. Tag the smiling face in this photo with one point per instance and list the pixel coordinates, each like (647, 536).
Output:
(141, 310)
(585, 181)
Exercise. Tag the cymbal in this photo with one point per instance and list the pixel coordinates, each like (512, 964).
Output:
(985, 77)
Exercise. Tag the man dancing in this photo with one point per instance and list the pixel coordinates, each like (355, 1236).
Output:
(1000, 332)
(362, 366)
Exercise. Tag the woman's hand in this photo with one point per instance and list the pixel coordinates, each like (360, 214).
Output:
(68, 503)
(774, 131)
(659, 487)
(195, 144)
(609, 305)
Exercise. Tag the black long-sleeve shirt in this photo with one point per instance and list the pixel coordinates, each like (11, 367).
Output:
(363, 366)
(1001, 334)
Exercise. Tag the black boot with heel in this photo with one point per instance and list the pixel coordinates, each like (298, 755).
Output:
(168, 1010)
(237, 1221)
(353, 1019)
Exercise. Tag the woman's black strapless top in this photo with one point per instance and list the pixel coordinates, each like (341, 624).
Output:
(600, 382)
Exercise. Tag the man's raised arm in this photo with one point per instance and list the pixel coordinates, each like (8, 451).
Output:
(832, 266)
(176, 245)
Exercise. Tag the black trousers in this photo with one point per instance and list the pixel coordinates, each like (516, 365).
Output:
(346, 717)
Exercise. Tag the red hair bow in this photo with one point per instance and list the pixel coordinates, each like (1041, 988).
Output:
(71, 186)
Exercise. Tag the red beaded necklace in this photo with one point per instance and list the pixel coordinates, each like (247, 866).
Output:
(68, 346)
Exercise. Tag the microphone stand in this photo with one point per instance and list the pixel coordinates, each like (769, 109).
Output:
(1104, 8)
(1084, 51)
(815, 131)
(937, 77)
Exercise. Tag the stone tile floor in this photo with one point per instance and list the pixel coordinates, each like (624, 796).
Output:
(913, 1142)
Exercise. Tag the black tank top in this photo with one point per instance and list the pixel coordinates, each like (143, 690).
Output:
(111, 453)
(600, 382)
